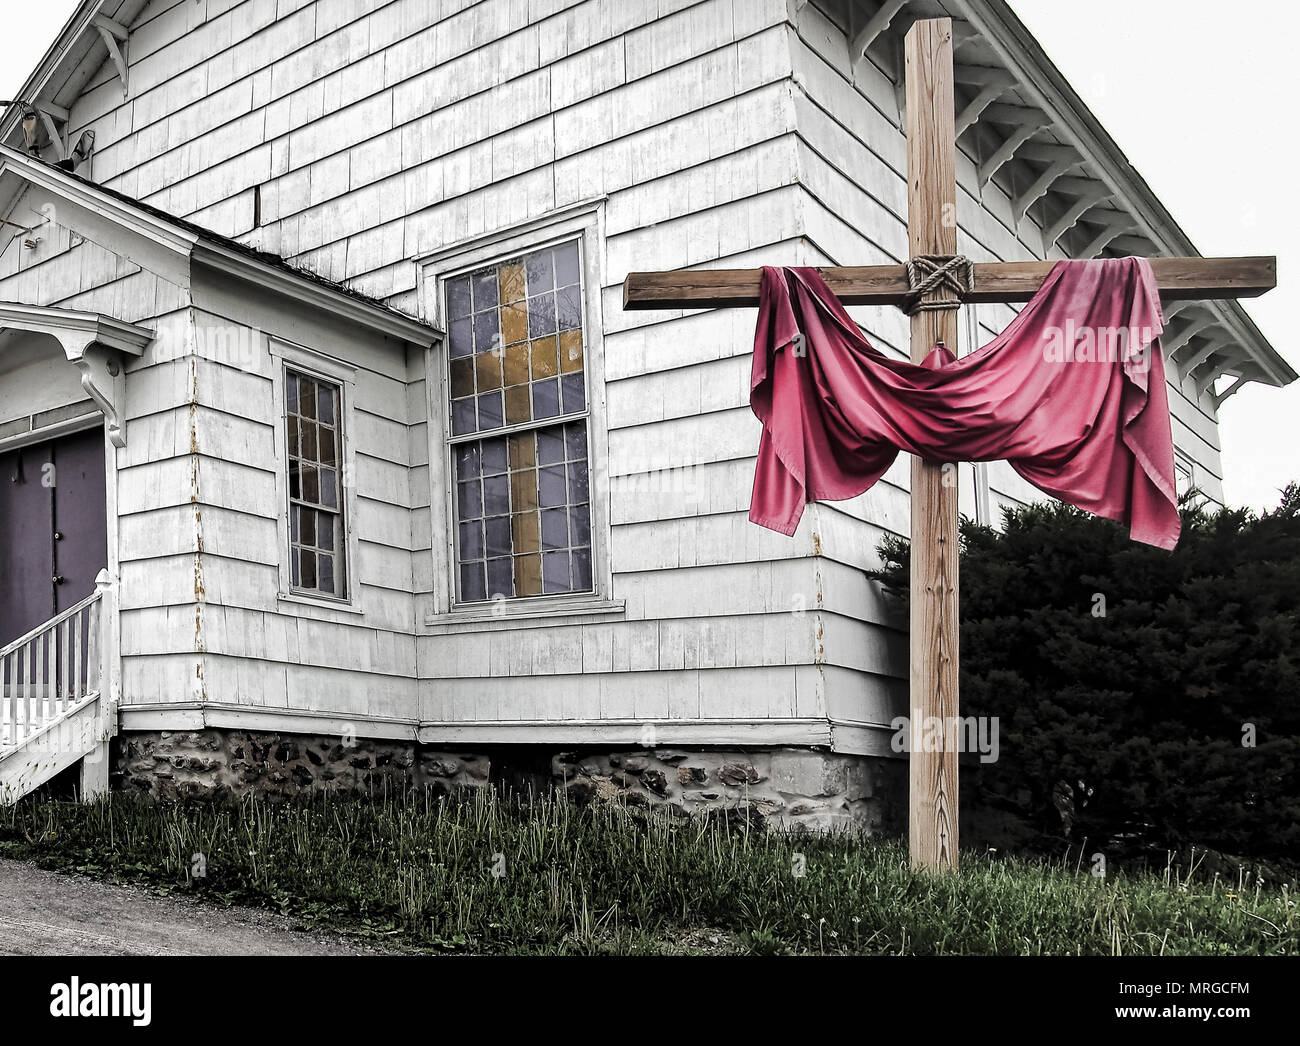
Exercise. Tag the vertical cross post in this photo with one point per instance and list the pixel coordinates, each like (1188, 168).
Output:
(932, 229)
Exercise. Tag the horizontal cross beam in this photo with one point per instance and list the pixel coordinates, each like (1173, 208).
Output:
(1178, 278)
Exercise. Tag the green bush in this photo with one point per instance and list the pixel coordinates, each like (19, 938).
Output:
(1167, 715)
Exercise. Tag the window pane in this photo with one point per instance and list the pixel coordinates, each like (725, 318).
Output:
(306, 398)
(458, 303)
(553, 492)
(541, 316)
(487, 369)
(471, 540)
(487, 332)
(574, 389)
(555, 572)
(462, 338)
(490, 413)
(498, 536)
(571, 351)
(580, 524)
(523, 490)
(325, 573)
(579, 483)
(514, 323)
(472, 581)
(500, 576)
(550, 446)
(327, 399)
(516, 364)
(555, 528)
(496, 496)
(568, 310)
(546, 363)
(467, 461)
(546, 398)
(513, 286)
(525, 532)
(566, 264)
(541, 271)
(329, 488)
(493, 456)
(462, 378)
(581, 560)
(469, 499)
(308, 436)
(575, 441)
(462, 416)
(328, 440)
(523, 451)
(485, 291)
(307, 568)
(519, 405)
(528, 575)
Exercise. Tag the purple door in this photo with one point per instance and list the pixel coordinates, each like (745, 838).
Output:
(53, 529)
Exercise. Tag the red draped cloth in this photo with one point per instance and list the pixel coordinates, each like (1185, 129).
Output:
(1072, 394)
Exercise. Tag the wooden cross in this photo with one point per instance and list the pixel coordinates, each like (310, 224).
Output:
(932, 230)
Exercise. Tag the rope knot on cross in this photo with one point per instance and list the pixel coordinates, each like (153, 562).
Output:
(927, 273)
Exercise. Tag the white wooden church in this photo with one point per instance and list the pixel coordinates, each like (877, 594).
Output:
(329, 457)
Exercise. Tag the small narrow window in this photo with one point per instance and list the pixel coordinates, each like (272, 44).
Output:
(313, 432)
(519, 448)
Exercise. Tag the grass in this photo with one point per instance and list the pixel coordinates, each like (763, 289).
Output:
(486, 875)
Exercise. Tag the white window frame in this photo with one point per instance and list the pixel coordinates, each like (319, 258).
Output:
(1185, 465)
(286, 355)
(584, 222)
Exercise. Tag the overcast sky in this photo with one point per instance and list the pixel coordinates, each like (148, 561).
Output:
(1202, 99)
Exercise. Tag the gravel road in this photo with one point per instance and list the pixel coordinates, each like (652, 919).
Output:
(49, 913)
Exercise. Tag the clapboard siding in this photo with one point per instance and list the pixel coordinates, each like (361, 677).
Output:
(726, 696)
(376, 132)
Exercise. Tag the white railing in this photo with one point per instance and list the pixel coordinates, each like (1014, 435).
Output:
(50, 671)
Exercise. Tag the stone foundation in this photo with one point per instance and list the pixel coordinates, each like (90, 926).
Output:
(193, 764)
(786, 787)
(790, 787)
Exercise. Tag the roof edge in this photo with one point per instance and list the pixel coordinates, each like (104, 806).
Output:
(1038, 75)
(209, 249)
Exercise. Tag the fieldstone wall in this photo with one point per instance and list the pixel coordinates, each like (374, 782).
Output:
(791, 787)
(190, 764)
(788, 787)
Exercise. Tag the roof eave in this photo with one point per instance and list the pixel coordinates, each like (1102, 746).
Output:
(196, 249)
(1038, 76)
(76, 26)
(385, 321)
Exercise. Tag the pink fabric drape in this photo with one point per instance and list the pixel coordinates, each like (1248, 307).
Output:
(1072, 394)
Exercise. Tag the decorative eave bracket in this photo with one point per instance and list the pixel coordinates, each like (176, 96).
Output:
(114, 34)
(95, 345)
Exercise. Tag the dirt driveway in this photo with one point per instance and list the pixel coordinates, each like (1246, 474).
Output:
(48, 913)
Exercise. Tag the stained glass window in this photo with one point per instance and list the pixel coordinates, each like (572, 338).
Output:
(518, 427)
(314, 452)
